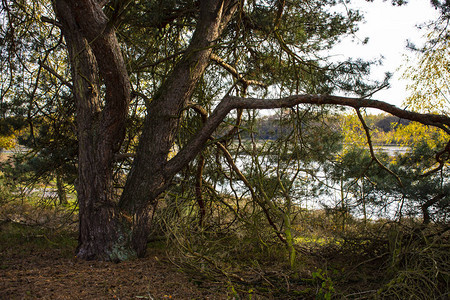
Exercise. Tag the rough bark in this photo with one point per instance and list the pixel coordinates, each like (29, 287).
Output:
(94, 52)
(148, 178)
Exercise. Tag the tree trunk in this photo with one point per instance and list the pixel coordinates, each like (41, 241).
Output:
(62, 196)
(112, 230)
(149, 176)
(93, 52)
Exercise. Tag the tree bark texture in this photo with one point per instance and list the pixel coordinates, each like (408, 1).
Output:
(94, 52)
(149, 177)
(112, 230)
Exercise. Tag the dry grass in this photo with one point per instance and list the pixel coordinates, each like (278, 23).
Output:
(229, 257)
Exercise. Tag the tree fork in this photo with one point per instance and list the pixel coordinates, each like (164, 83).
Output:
(94, 52)
(148, 177)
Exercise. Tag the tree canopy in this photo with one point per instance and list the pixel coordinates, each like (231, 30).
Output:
(114, 87)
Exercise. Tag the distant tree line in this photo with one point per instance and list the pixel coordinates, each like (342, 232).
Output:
(272, 127)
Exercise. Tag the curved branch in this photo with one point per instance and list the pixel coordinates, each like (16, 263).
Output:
(235, 73)
(45, 19)
(372, 152)
(440, 160)
(440, 121)
(428, 204)
(229, 103)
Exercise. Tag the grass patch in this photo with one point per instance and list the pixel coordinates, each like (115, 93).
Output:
(29, 226)
(381, 260)
(367, 260)
(25, 239)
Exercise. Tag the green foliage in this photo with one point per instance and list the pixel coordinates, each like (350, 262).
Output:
(326, 289)
(37, 106)
(258, 221)
(414, 186)
(261, 43)
(369, 259)
(428, 72)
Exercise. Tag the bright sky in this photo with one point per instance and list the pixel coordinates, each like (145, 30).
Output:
(388, 28)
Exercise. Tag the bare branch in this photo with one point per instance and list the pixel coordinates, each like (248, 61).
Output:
(440, 121)
(102, 3)
(53, 72)
(147, 100)
(142, 67)
(234, 72)
(229, 9)
(231, 102)
(280, 10)
(247, 183)
(372, 152)
(45, 19)
(428, 204)
(123, 156)
(241, 176)
(440, 160)
(199, 109)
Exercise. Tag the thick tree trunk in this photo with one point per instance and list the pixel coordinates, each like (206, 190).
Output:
(94, 51)
(149, 177)
(110, 230)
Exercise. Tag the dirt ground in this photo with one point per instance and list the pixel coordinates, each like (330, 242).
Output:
(48, 275)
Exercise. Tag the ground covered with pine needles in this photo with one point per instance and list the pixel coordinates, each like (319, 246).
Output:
(38, 264)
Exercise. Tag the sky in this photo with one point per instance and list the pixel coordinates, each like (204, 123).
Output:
(388, 28)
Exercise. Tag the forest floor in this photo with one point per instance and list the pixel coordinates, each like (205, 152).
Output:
(38, 262)
(40, 267)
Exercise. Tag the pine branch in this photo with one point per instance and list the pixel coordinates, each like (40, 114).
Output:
(229, 103)
(235, 73)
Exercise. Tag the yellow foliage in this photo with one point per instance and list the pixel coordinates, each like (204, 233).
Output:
(8, 141)
(353, 131)
(429, 77)
(414, 133)
(355, 136)
(402, 135)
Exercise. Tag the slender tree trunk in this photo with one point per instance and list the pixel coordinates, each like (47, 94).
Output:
(62, 196)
